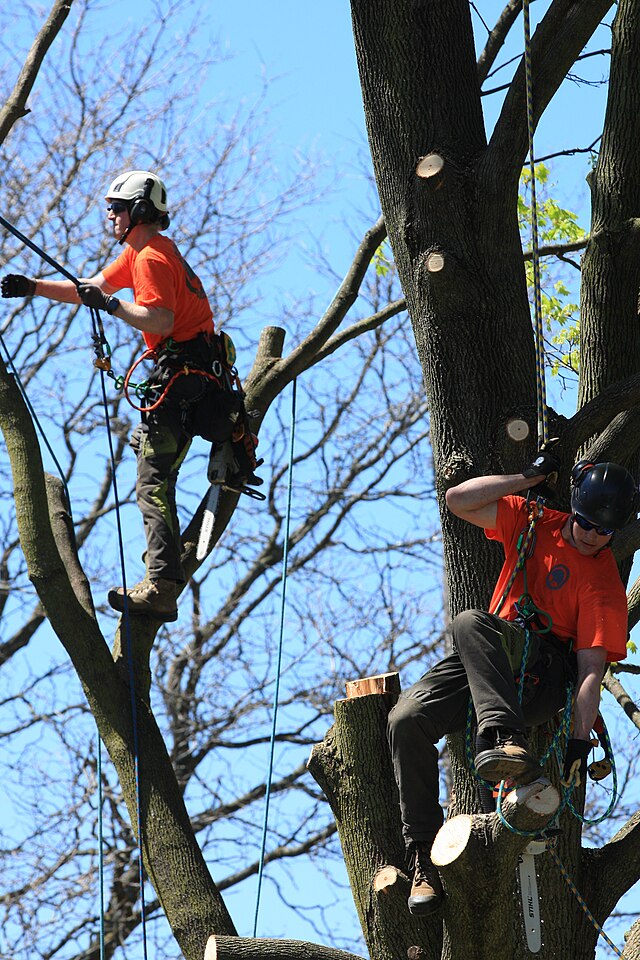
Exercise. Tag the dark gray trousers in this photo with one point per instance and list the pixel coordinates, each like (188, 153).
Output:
(488, 654)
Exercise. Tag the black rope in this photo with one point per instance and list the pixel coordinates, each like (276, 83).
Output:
(36, 249)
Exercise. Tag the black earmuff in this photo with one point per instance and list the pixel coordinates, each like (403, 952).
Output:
(143, 210)
(579, 472)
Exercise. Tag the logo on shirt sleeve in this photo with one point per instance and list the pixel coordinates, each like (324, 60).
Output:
(557, 576)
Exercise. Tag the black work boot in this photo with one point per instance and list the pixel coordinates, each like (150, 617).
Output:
(426, 889)
(153, 598)
(510, 758)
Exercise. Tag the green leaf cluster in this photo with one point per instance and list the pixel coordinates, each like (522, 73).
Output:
(556, 225)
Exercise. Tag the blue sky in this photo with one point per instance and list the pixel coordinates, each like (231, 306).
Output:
(316, 111)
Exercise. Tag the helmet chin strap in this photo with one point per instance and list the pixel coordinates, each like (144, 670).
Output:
(126, 233)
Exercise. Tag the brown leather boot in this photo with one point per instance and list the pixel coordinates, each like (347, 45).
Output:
(426, 890)
(510, 758)
(152, 598)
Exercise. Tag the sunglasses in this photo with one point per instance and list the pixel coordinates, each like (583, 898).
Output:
(117, 206)
(587, 525)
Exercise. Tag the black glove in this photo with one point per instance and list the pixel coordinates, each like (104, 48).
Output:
(575, 763)
(547, 464)
(15, 285)
(92, 296)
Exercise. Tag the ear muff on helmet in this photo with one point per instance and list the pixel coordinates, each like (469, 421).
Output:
(578, 472)
(605, 494)
(142, 210)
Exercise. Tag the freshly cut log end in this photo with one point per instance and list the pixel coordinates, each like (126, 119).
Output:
(451, 840)
(387, 877)
(366, 686)
(435, 262)
(429, 166)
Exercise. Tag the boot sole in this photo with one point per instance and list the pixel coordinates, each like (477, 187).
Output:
(423, 907)
(493, 766)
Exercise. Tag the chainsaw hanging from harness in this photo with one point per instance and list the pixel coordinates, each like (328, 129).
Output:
(200, 377)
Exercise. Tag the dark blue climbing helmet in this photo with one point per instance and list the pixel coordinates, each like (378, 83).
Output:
(605, 494)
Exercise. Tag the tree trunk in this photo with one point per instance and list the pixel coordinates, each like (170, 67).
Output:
(353, 767)
(171, 855)
(421, 96)
(609, 342)
(477, 857)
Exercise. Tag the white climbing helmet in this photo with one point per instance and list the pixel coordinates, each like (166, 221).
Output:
(140, 185)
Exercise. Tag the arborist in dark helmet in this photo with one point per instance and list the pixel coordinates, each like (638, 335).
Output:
(168, 302)
(572, 576)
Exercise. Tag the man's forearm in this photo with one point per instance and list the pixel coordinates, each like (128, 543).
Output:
(64, 291)
(591, 667)
(477, 492)
(585, 707)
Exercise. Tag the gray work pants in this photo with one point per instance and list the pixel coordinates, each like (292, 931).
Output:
(483, 667)
(161, 444)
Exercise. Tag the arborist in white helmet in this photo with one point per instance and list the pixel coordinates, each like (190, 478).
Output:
(168, 302)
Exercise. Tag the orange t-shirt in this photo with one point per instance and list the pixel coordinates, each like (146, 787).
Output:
(584, 596)
(160, 277)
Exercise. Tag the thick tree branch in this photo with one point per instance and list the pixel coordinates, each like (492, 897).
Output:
(632, 943)
(15, 105)
(480, 851)
(611, 870)
(596, 415)
(305, 354)
(361, 326)
(556, 44)
(354, 752)
(170, 851)
(244, 948)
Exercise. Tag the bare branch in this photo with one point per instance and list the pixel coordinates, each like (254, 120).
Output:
(15, 106)
(617, 691)
(497, 38)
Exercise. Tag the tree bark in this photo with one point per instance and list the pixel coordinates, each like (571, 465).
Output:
(245, 948)
(477, 857)
(609, 342)
(353, 767)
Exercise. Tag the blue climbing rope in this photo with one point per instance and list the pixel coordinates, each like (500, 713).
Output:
(276, 694)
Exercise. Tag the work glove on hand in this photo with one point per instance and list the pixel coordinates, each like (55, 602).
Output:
(92, 296)
(545, 462)
(575, 763)
(15, 285)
